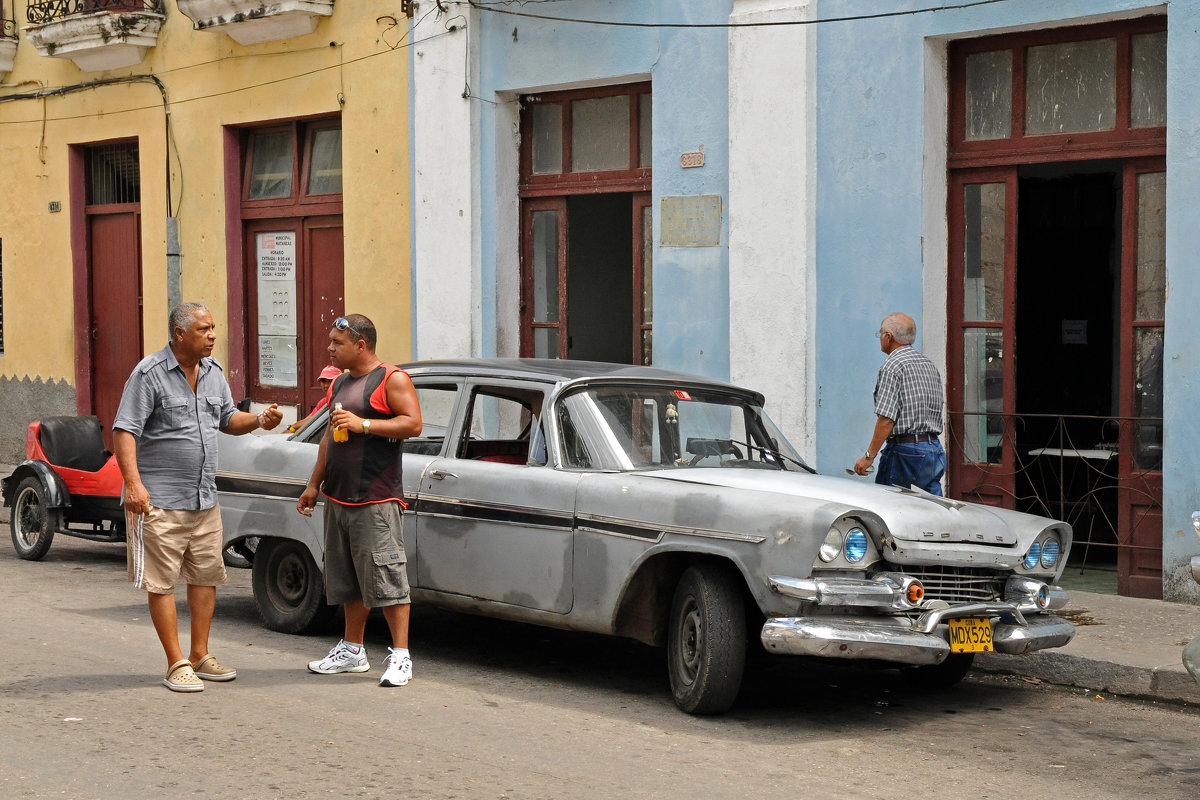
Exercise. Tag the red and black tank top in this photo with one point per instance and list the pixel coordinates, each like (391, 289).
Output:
(367, 468)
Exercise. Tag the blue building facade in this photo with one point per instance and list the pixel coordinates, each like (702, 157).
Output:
(802, 175)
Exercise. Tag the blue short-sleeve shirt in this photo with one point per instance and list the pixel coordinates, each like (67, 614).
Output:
(176, 428)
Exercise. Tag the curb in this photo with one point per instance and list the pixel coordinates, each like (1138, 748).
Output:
(1170, 682)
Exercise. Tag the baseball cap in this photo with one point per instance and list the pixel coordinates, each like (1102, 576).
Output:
(329, 373)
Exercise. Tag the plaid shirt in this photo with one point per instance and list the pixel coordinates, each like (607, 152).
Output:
(908, 391)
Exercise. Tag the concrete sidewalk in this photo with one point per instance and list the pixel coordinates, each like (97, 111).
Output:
(1122, 645)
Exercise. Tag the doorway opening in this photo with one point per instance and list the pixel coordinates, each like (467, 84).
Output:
(111, 178)
(599, 277)
(1067, 354)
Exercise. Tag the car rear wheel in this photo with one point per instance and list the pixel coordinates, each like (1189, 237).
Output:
(940, 676)
(32, 522)
(706, 641)
(289, 590)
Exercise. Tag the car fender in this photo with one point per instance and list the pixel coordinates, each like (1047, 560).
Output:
(57, 495)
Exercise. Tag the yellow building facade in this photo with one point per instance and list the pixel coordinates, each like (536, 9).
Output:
(268, 180)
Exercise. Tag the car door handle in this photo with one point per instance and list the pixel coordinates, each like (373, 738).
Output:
(440, 474)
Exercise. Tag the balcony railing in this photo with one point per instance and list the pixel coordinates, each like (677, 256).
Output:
(39, 12)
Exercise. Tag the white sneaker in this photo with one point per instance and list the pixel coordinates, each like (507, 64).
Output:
(398, 669)
(341, 659)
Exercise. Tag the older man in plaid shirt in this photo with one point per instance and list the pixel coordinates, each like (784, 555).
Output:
(909, 400)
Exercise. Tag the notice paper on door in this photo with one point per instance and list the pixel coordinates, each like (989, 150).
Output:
(1074, 331)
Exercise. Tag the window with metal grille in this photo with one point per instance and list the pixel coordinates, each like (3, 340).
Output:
(113, 176)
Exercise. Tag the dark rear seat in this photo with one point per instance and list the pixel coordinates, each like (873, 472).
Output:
(73, 442)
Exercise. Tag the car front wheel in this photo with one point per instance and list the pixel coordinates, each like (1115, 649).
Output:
(706, 641)
(289, 590)
(31, 522)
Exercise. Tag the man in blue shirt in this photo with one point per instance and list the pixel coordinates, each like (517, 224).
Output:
(909, 402)
(165, 437)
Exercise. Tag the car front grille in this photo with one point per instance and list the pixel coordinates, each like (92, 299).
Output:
(960, 584)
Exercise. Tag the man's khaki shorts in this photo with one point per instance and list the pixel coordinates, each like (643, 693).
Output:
(167, 545)
(364, 554)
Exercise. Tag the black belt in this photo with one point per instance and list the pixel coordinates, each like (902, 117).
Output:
(912, 438)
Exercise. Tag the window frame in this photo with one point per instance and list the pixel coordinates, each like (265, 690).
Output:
(301, 131)
(633, 178)
(1122, 141)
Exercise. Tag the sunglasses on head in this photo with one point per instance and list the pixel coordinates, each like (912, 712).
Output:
(343, 324)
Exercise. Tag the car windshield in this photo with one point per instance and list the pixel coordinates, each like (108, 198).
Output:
(651, 427)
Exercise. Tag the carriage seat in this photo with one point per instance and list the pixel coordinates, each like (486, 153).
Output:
(73, 442)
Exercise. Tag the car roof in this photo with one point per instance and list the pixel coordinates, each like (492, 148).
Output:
(564, 371)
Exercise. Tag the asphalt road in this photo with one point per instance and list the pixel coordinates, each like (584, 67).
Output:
(499, 710)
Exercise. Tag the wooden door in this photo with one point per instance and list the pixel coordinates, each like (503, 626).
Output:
(982, 297)
(295, 291)
(324, 299)
(1140, 454)
(544, 278)
(115, 306)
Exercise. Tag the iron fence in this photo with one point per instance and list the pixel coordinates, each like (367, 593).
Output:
(1068, 467)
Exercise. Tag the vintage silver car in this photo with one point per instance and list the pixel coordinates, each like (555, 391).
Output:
(667, 508)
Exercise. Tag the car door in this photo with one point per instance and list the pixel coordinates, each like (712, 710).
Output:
(491, 524)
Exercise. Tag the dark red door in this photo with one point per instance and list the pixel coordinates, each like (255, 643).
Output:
(324, 298)
(295, 292)
(115, 307)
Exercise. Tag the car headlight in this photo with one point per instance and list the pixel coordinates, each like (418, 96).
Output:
(1033, 556)
(831, 548)
(1051, 549)
(856, 545)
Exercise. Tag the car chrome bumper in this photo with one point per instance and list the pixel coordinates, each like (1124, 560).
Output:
(904, 641)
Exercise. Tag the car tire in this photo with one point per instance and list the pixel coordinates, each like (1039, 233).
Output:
(32, 523)
(289, 590)
(940, 676)
(706, 640)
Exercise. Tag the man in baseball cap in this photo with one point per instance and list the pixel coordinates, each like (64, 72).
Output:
(324, 380)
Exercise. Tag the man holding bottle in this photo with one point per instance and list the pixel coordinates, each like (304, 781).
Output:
(359, 471)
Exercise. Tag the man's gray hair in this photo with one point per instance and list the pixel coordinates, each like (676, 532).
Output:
(900, 326)
(183, 316)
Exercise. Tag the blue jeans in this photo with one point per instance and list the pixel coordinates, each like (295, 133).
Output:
(919, 464)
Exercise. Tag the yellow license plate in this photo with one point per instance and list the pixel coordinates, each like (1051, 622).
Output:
(970, 635)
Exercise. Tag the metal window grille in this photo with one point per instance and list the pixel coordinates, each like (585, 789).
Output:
(113, 175)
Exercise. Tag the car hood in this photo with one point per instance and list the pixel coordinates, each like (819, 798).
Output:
(910, 515)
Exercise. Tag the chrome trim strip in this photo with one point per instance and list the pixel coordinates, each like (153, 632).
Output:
(249, 476)
(610, 532)
(519, 523)
(567, 517)
(675, 529)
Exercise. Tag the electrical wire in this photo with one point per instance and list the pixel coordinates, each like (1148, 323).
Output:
(482, 5)
(152, 77)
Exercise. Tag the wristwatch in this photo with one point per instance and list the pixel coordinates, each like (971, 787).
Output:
(867, 455)
(367, 426)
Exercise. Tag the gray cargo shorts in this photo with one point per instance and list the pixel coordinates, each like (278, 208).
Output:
(364, 554)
